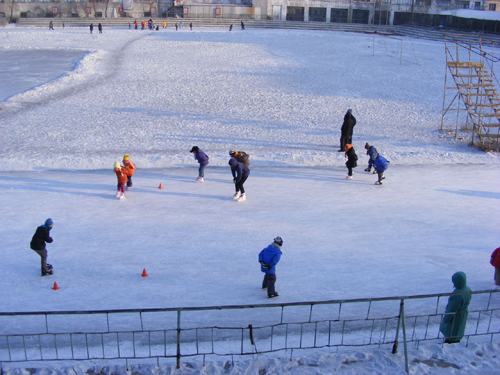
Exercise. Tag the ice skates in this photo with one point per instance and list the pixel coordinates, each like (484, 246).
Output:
(237, 195)
(200, 179)
(242, 198)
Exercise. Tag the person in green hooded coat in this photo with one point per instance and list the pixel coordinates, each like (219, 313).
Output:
(457, 309)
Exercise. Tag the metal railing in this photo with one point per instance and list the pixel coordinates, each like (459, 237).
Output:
(237, 330)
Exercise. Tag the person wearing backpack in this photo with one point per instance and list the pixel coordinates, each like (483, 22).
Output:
(240, 156)
(240, 174)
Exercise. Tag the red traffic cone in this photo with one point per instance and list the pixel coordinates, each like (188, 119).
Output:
(160, 187)
(144, 273)
(55, 287)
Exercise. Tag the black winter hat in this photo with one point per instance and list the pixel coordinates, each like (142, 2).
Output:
(194, 149)
(367, 146)
(278, 240)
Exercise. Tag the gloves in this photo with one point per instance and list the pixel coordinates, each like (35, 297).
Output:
(263, 265)
(368, 170)
(234, 180)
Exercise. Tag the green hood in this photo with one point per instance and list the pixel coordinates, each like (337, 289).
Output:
(459, 280)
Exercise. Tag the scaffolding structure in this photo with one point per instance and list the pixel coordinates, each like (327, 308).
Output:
(470, 90)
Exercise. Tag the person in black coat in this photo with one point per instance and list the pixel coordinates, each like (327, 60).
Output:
(352, 160)
(37, 244)
(240, 174)
(347, 130)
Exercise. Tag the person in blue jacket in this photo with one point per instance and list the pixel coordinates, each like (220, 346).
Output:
(240, 174)
(455, 317)
(37, 244)
(202, 158)
(268, 259)
(380, 164)
(372, 155)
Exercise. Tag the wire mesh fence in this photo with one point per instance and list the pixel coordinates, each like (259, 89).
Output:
(239, 330)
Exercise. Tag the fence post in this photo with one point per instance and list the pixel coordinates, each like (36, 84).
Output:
(403, 318)
(402, 322)
(178, 338)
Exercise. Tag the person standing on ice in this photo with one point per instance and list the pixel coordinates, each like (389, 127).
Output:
(202, 158)
(99, 27)
(91, 28)
(268, 259)
(347, 130)
(38, 244)
(121, 175)
(455, 317)
(372, 154)
(352, 159)
(130, 169)
(495, 262)
(380, 164)
(240, 174)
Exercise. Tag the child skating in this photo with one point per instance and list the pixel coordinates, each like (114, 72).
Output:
(121, 175)
(202, 158)
(381, 164)
(372, 155)
(38, 244)
(130, 168)
(352, 159)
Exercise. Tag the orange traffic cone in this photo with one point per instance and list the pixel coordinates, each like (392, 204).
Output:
(144, 273)
(160, 187)
(55, 287)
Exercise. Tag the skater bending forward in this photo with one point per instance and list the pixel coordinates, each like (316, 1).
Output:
(37, 244)
(268, 259)
(240, 174)
(380, 164)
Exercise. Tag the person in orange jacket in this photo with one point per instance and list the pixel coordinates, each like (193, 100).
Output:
(130, 167)
(121, 175)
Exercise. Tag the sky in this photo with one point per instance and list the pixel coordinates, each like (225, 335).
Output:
(280, 96)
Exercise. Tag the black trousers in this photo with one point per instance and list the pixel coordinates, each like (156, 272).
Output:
(269, 282)
(239, 185)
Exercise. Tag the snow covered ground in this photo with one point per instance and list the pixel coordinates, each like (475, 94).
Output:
(280, 96)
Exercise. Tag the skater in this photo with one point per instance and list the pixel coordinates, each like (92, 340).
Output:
(121, 175)
(99, 27)
(130, 169)
(352, 159)
(231, 27)
(346, 130)
(454, 320)
(495, 262)
(380, 164)
(268, 259)
(202, 158)
(240, 174)
(164, 24)
(38, 242)
(240, 156)
(242, 26)
(51, 25)
(135, 24)
(191, 26)
(91, 28)
(372, 155)
(176, 26)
